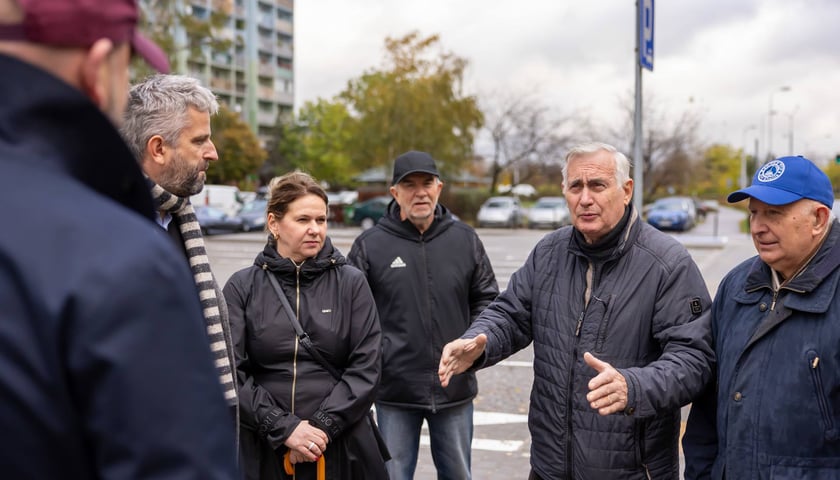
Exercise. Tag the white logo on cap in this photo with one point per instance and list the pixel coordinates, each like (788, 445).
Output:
(771, 171)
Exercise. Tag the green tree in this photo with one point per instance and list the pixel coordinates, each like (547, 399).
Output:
(833, 172)
(720, 172)
(159, 19)
(240, 154)
(415, 102)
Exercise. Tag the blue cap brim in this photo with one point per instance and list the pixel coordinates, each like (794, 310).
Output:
(768, 195)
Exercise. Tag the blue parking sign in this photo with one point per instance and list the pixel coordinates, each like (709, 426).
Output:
(646, 34)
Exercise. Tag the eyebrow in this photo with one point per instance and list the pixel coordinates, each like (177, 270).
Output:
(592, 181)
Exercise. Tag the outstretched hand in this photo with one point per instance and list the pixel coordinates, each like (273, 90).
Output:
(459, 355)
(608, 390)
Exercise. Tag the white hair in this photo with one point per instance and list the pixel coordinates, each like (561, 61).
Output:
(622, 164)
(160, 106)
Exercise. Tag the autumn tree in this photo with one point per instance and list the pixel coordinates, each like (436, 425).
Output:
(671, 149)
(240, 154)
(526, 136)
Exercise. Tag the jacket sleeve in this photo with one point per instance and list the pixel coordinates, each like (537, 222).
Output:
(681, 325)
(700, 441)
(351, 398)
(507, 320)
(483, 286)
(141, 372)
(257, 407)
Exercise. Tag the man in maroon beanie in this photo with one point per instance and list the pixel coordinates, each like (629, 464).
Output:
(105, 371)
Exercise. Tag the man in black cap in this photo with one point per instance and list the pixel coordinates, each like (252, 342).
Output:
(105, 370)
(772, 409)
(430, 277)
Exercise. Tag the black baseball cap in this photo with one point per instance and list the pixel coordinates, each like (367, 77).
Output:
(413, 162)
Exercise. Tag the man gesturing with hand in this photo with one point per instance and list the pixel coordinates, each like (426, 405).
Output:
(618, 316)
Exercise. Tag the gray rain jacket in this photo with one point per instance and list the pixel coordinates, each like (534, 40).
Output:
(647, 315)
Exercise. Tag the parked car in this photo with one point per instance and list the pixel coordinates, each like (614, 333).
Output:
(212, 220)
(551, 212)
(500, 212)
(368, 212)
(672, 213)
(226, 198)
(253, 214)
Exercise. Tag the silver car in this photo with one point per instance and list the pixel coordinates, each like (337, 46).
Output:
(500, 212)
(549, 212)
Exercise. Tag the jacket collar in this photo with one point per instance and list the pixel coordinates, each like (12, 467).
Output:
(819, 270)
(615, 249)
(49, 124)
(328, 257)
(405, 229)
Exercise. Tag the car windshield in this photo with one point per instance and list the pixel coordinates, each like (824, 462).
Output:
(499, 204)
(669, 205)
(550, 203)
(255, 206)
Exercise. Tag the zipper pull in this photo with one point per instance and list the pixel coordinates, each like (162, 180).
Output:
(579, 324)
(815, 363)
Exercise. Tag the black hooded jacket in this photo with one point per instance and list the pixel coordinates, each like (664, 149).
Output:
(428, 288)
(281, 384)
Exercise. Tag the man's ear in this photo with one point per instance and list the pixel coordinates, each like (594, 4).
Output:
(822, 215)
(94, 72)
(156, 150)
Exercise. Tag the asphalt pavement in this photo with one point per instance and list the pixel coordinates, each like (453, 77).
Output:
(501, 443)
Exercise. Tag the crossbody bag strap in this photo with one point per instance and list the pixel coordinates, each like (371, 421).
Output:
(302, 336)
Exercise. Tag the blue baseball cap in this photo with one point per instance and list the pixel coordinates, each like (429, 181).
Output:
(786, 180)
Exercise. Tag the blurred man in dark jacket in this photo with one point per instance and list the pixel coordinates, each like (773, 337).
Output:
(104, 369)
(430, 277)
(618, 314)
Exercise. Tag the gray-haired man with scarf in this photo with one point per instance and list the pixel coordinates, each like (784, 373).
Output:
(167, 125)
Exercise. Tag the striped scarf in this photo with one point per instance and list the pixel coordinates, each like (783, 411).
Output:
(212, 301)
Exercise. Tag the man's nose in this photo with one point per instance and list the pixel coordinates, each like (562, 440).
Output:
(211, 153)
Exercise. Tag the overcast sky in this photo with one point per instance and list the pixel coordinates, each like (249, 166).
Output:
(723, 58)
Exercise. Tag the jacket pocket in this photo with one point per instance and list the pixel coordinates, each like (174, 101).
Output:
(825, 407)
(604, 325)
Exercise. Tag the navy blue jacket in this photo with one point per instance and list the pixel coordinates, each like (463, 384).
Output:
(105, 371)
(774, 411)
(646, 315)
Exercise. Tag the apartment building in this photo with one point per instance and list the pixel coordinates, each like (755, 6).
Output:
(255, 75)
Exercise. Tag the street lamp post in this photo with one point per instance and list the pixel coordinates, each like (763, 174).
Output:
(790, 129)
(743, 173)
(770, 113)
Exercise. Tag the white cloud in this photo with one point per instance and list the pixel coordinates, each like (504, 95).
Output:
(726, 55)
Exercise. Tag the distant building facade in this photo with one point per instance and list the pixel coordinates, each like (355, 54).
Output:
(255, 75)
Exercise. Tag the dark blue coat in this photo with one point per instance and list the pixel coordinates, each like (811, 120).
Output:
(776, 410)
(105, 370)
(647, 316)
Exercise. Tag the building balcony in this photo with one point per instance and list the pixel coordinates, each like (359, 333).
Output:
(284, 25)
(266, 118)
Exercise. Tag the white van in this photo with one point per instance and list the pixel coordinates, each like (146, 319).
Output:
(224, 197)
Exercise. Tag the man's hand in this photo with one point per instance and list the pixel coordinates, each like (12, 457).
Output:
(608, 390)
(459, 355)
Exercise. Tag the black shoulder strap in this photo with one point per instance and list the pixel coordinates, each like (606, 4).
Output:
(302, 336)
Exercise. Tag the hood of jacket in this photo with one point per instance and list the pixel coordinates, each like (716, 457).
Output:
(284, 268)
(392, 222)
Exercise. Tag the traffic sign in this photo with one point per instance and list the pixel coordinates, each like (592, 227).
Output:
(646, 34)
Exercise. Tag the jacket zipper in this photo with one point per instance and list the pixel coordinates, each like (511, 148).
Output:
(814, 367)
(297, 340)
(570, 396)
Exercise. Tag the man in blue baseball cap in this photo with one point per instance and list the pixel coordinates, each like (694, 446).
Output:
(772, 409)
